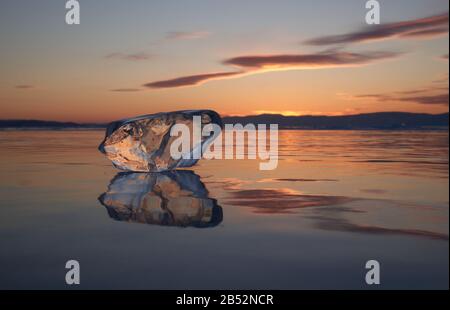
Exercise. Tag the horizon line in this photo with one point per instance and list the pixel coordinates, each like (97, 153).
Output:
(223, 116)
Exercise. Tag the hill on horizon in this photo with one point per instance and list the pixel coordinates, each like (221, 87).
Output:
(378, 120)
(367, 121)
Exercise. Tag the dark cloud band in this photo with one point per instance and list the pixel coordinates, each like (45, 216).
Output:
(418, 28)
(190, 80)
(325, 59)
(256, 64)
(130, 57)
(429, 96)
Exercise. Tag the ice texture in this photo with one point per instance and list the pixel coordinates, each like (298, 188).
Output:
(142, 144)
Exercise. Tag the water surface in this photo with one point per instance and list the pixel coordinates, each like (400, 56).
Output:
(336, 200)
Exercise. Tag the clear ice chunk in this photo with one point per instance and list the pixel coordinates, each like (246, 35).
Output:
(171, 198)
(142, 144)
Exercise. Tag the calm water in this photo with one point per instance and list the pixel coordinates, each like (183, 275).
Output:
(336, 200)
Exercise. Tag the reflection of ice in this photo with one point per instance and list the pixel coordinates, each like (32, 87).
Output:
(175, 198)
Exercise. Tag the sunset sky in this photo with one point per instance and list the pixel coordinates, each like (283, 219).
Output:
(237, 57)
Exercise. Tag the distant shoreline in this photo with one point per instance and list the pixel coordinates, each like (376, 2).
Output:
(52, 129)
(281, 129)
(369, 121)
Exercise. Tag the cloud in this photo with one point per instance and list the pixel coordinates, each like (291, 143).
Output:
(442, 80)
(24, 86)
(428, 99)
(291, 113)
(434, 95)
(281, 112)
(131, 57)
(422, 28)
(184, 35)
(126, 90)
(426, 33)
(374, 191)
(191, 80)
(420, 90)
(379, 97)
(253, 64)
(308, 61)
(259, 64)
